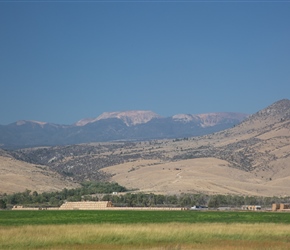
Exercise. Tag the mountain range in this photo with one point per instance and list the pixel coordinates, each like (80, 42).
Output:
(112, 126)
(251, 158)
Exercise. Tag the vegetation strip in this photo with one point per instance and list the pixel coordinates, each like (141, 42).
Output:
(20, 218)
(95, 191)
(147, 236)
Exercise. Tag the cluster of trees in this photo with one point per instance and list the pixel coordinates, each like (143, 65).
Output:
(189, 200)
(89, 191)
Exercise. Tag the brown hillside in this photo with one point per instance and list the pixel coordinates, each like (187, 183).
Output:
(203, 175)
(17, 176)
(255, 160)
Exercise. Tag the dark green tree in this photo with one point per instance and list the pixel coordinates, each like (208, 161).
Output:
(2, 204)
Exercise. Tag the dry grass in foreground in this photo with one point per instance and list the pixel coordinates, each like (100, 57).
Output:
(150, 236)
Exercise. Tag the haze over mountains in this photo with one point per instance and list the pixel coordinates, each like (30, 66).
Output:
(251, 158)
(112, 126)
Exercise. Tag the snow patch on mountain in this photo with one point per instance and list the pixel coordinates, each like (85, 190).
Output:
(184, 118)
(210, 119)
(23, 122)
(130, 118)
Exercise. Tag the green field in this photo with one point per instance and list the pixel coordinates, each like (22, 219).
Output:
(17, 218)
(144, 230)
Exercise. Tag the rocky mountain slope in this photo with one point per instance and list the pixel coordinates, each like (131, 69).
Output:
(128, 126)
(251, 158)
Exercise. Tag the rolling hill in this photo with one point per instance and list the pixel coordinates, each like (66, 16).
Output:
(250, 159)
(18, 176)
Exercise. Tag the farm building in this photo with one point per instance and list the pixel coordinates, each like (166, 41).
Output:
(280, 207)
(86, 205)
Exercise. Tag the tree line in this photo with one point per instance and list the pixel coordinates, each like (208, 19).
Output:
(87, 191)
(106, 191)
(189, 200)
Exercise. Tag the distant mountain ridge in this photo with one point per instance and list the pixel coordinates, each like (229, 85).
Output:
(210, 119)
(111, 126)
(130, 118)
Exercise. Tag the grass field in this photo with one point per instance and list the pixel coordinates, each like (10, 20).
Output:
(143, 230)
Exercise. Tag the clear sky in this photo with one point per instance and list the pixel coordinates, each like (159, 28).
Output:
(61, 61)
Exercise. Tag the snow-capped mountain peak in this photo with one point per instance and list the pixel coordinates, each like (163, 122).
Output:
(130, 118)
(23, 122)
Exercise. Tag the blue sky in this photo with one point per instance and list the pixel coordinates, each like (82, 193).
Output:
(67, 60)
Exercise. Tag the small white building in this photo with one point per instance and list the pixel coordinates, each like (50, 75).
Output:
(251, 207)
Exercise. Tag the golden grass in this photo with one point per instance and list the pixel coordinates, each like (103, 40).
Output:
(147, 236)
